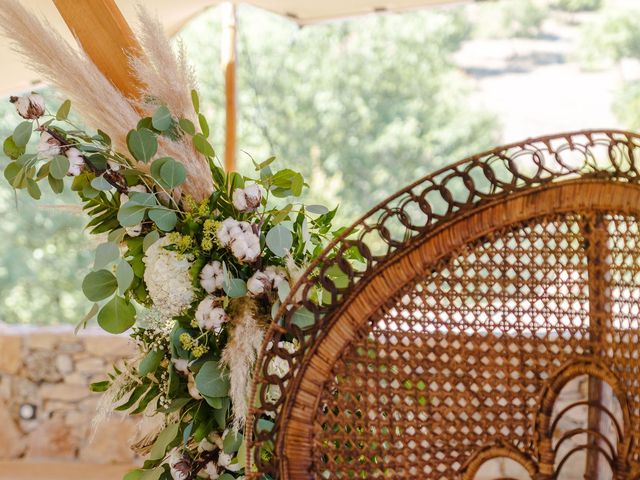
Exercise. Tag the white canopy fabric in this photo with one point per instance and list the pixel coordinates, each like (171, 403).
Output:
(174, 15)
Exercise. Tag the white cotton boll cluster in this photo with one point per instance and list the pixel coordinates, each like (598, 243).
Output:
(247, 199)
(29, 106)
(76, 161)
(181, 365)
(49, 146)
(266, 281)
(178, 465)
(240, 238)
(168, 279)
(210, 315)
(212, 276)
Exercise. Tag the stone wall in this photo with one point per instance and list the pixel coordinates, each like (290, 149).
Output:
(50, 369)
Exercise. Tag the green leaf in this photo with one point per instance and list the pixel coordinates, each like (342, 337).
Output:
(142, 144)
(99, 285)
(100, 183)
(124, 276)
(213, 402)
(63, 111)
(317, 209)
(195, 100)
(12, 150)
(57, 185)
(204, 126)
(131, 213)
(164, 218)
(235, 287)
(99, 387)
(90, 314)
(155, 168)
(211, 381)
(163, 441)
(59, 167)
(149, 239)
(279, 240)
(154, 474)
(173, 173)
(232, 441)
(297, 182)
(22, 133)
(203, 146)
(161, 119)
(265, 164)
(150, 362)
(105, 254)
(11, 172)
(303, 318)
(187, 126)
(117, 316)
(33, 189)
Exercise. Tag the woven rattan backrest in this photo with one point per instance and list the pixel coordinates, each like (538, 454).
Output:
(489, 311)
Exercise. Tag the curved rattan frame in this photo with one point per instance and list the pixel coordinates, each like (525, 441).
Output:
(553, 169)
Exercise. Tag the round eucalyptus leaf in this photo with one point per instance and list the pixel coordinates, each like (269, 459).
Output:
(22, 133)
(149, 239)
(279, 240)
(142, 144)
(105, 254)
(131, 214)
(99, 285)
(164, 218)
(173, 173)
(161, 119)
(124, 276)
(59, 167)
(57, 185)
(11, 172)
(235, 287)
(203, 146)
(211, 381)
(317, 209)
(150, 362)
(100, 183)
(117, 316)
(167, 436)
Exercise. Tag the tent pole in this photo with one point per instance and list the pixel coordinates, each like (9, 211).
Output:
(228, 56)
(106, 37)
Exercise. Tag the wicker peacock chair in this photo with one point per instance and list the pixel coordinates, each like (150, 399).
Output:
(453, 319)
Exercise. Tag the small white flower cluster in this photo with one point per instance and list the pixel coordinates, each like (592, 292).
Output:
(157, 329)
(264, 282)
(213, 470)
(210, 315)
(240, 238)
(167, 278)
(29, 106)
(212, 276)
(247, 199)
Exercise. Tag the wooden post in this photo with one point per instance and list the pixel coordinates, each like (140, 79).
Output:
(106, 37)
(228, 57)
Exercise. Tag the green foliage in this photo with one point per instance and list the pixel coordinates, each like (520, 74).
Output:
(509, 19)
(609, 38)
(578, 5)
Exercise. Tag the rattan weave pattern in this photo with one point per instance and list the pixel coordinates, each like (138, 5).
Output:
(485, 326)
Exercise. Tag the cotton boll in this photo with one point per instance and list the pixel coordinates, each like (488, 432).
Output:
(212, 277)
(206, 446)
(134, 231)
(76, 161)
(29, 106)
(191, 387)
(247, 199)
(246, 248)
(226, 230)
(179, 465)
(49, 146)
(275, 274)
(124, 198)
(181, 365)
(210, 316)
(114, 166)
(258, 284)
(212, 471)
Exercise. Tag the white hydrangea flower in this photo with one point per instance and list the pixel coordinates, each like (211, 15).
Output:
(168, 279)
(76, 161)
(212, 276)
(247, 199)
(49, 146)
(29, 106)
(210, 315)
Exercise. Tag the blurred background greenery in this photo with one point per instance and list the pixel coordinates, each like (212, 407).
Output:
(361, 107)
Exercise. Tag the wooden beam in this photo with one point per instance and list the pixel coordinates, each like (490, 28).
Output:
(106, 37)
(228, 56)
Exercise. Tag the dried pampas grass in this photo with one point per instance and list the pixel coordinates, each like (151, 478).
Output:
(239, 357)
(68, 69)
(168, 80)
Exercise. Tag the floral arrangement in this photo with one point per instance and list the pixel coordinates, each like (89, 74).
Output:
(194, 261)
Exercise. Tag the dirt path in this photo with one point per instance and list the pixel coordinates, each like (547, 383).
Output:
(60, 471)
